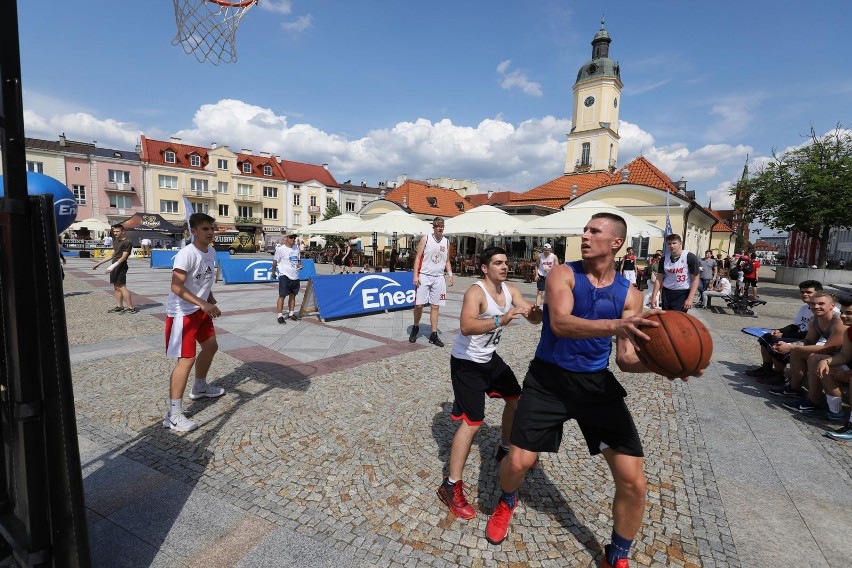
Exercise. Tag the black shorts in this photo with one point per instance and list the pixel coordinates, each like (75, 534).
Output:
(472, 381)
(766, 342)
(118, 275)
(338, 261)
(287, 287)
(673, 299)
(750, 280)
(539, 285)
(552, 396)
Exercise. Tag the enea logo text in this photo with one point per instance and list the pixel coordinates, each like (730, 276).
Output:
(260, 270)
(378, 296)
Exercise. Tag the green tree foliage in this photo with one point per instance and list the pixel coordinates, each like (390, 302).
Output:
(806, 189)
(332, 210)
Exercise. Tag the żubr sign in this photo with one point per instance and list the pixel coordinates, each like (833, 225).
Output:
(353, 294)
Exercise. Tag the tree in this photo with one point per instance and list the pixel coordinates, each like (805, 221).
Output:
(806, 189)
(332, 210)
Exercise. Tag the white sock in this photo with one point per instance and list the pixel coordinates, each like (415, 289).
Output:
(290, 314)
(281, 314)
(200, 385)
(175, 407)
(452, 481)
(835, 403)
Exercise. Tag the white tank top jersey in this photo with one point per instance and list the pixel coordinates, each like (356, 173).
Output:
(545, 264)
(677, 275)
(479, 348)
(434, 259)
(200, 275)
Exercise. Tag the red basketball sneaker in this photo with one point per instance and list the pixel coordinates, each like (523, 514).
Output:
(456, 501)
(498, 524)
(620, 563)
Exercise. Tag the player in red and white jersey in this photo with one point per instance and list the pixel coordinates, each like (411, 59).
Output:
(431, 261)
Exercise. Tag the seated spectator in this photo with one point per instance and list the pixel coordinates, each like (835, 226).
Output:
(832, 371)
(771, 371)
(720, 290)
(825, 337)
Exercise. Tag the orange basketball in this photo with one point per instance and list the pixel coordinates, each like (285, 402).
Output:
(680, 346)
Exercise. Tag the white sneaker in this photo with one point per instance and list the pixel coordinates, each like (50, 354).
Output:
(209, 392)
(180, 423)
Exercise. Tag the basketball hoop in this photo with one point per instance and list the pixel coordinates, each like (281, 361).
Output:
(208, 28)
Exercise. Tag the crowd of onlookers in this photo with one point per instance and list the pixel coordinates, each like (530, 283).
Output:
(807, 363)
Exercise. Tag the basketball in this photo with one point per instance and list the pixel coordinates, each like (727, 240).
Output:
(680, 346)
(64, 204)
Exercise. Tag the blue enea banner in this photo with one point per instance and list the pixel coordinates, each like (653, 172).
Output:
(352, 294)
(247, 270)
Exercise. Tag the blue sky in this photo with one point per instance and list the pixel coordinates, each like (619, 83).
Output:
(477, 90)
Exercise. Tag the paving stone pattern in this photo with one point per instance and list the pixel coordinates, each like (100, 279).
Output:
(339, 436)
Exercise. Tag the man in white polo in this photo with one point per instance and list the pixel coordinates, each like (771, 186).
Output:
(546, 261)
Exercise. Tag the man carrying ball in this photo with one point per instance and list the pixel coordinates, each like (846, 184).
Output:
(587, 303)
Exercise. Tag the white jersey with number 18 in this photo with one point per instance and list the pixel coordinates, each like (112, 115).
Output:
(479, 348)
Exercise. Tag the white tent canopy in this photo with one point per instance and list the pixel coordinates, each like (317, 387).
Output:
(484, 221)
(94, 225)
(339, 225)
(398, 222)
(572, 220)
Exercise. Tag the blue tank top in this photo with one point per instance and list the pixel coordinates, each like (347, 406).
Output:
(591, 354)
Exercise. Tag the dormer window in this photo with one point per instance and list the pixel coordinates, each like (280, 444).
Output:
(267, 170)
(195, 160)
(169, 157)
(433, 201)
(246, 167)
(460, 205)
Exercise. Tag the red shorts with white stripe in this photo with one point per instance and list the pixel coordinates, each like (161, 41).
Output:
(183, 331)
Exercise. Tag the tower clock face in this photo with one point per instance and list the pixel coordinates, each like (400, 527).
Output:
(589, 101)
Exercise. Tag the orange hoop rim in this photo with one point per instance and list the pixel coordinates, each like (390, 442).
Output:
(226, 4)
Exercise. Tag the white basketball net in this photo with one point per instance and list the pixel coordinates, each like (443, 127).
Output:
(208, 28)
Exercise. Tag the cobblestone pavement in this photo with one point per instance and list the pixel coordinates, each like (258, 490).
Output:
(333, 458)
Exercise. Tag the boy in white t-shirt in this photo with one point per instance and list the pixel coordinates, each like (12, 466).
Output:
(190, 310)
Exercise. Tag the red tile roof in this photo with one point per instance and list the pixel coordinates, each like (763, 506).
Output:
(154, 152)
(557, 193)
(257, 163)
(420, 197)
(497, 198)
(720, 225)
(299, 172)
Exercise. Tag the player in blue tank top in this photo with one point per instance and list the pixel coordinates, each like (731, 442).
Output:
(587, 303)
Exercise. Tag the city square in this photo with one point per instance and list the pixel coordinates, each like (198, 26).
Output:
(332, 437)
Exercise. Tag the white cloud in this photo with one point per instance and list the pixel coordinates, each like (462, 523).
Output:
(300, 24)
(277, 6)
(517, 79)
(735, 115)
(83, 127)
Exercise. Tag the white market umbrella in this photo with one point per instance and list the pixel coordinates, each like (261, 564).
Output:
(572, 220)
(338, 225)
(94, 225)
(484, 221)
(398, 222)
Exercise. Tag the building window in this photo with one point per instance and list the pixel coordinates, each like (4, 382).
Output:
(169, 157)
(244, 211)
(200, 207)
(119, 176)
(195, 160)
(297, 218)
(168, 182)
(313, 219)
(79, 193)
(167, 206)
(198, 185)
(121, 201)
(267, 170)
(297, 199)
(246, 167)
(270, 191)
(222, 164)
(587, 151)
(297, 186)
(350, 206)
(314, 200)
(37, 167)
(269, 213)
(329, 201)
(223, 187)
(640, 246)
(223, 210)
(244, 191)
(76, 168)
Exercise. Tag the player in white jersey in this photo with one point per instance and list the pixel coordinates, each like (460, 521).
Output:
(430, 263)
(190, 309)
(546, 261)
(679, 282)
(477, 370)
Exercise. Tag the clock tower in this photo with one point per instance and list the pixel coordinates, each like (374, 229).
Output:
(593, 141)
